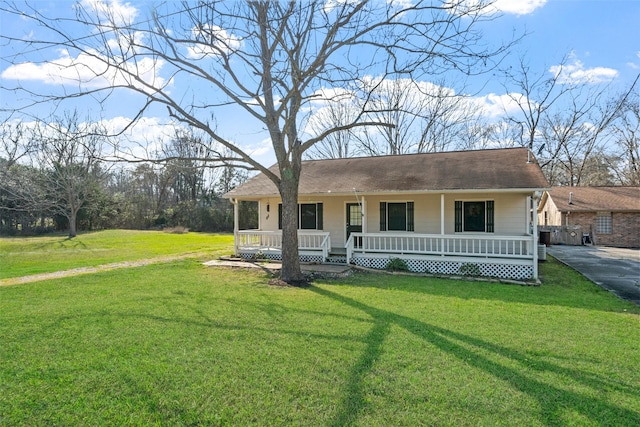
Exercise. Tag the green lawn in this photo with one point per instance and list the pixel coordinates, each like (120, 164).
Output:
(182, 344)
(22, 256)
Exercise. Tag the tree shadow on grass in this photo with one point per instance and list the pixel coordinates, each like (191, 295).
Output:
(72, 242)
(62, 241)
(572, 290)
(552, 400)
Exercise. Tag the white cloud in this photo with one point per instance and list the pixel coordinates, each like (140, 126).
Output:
(330, 5)
(127, 42)
(634, 65)
(148, 135)
(137, 142)
(495, 106)
(326, 95)
(146, 129)
(400, 4)
(516, 7)
(576, 73)
(140, 141)
(111, 11)
(260, 149)
(213, 41)
(88, 70)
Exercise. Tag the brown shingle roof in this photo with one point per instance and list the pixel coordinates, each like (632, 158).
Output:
(589, 199)
(457, 170)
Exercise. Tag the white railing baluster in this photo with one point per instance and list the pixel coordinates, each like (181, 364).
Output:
(489, 246)
(451, 245)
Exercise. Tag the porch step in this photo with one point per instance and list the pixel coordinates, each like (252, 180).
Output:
(336, 258)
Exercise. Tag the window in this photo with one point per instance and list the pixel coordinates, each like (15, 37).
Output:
(474, 216)
(309, 216)
(604, 224)
(396, 216)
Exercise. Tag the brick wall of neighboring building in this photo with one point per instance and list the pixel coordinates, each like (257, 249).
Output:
(625, 228)
(626, 231)
(586, 220)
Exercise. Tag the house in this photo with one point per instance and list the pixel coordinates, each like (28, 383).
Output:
(443, 213)
(608, 216)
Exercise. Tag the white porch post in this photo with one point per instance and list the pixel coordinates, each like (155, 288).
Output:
(442, 214)
(235, 226)
(534, 211)
(363, 207)
(442, 223)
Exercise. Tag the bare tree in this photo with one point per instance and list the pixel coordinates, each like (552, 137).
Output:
(186, 157)
(445, 118)
(566, 123)
(580, 131)
(597, 170)
(337, 111)
(626, 139)
(425, 117)
(269, 59)
(68, 157)
(15, 142)
(61, 174)
(399, 103)
(535, 95)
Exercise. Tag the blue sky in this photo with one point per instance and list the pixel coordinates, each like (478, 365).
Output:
(599, 38)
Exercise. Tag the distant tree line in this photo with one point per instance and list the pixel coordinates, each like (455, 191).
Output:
(580, 130)
(69, 174)
(58, 177)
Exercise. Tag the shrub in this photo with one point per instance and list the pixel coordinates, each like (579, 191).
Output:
(397, 264)
(469, 269)
(176, 230)
(259, 256)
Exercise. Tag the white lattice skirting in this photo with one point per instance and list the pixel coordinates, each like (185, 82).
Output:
(274, 256)
(507, 269)
(479, 267)
(277, 256)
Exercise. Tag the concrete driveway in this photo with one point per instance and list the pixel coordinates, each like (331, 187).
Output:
(614, 269)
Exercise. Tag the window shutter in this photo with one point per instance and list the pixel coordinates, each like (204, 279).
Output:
(410, 216)
(279, 216)
(319, 216)
(490, 216)
(458, 216)
(383, 216)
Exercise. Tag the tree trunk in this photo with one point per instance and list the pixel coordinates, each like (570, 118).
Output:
(290, 272)
(73, 217)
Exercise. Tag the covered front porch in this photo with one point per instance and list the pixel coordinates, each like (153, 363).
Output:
(462, 212)
(509, 257)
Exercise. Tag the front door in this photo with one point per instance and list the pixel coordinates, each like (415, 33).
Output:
(354, 219)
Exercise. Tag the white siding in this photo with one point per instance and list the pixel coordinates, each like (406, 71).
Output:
(554, 216)
(511, 214)
(269, 220)
(335, 218)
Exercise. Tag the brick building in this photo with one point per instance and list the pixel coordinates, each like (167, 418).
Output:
(609, 216)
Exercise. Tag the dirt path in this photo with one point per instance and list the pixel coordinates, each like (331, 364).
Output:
(89, 270)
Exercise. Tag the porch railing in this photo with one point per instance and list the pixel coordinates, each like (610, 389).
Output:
(443, 245)
(256, 240)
